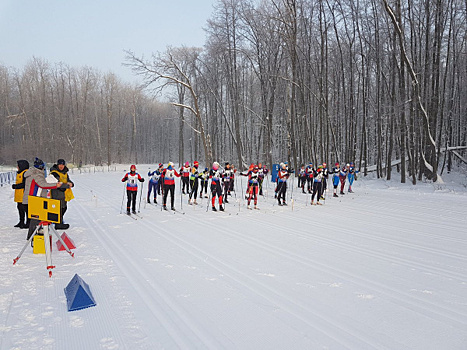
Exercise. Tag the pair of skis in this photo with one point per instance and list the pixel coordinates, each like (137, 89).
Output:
(134, 216)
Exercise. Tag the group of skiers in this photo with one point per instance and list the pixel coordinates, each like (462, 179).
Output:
(316, 179)
(194, 181)
(162, 181)
(35, 182)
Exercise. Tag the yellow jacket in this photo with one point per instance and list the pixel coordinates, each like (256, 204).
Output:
(19, 190)
(63, 177)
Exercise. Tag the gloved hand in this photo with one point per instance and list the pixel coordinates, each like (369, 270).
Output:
(13, 186)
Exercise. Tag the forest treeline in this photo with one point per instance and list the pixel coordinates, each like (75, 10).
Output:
(367, 81)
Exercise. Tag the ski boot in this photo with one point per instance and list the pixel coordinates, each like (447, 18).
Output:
(214, 208)
(335, 195)
(221, 208)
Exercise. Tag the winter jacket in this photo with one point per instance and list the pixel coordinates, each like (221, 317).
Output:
(131, 184)
(215, 176)
(23, 165)
(155, 176)
(64, 192)
(185, 171)
(262, 172)
(36, 184)
(253, 177)
(283, 175)
(169, 176)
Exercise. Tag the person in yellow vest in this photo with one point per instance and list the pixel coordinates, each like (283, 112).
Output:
(23, 165)
(64, 192)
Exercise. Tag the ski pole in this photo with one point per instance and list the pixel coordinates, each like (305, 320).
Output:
(123, 199)
(140, 195)
(209, 199)
(181, 199)
(149, 184)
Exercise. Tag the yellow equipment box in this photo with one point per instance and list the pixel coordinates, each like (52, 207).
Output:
(38, 245)
(44, 209)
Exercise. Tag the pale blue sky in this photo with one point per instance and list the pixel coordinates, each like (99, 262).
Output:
(95, 32)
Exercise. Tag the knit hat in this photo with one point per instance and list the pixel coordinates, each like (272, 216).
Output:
(39, 164)
(61, 161)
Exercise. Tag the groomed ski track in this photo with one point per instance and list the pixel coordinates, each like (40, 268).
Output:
(383, 268)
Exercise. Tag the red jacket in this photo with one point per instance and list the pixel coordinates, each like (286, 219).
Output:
(169, 176)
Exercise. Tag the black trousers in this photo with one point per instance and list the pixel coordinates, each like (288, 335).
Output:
(171, 189)
(281, 190)
(194, 188)
(204, 186)
(23, 212)
(316, 190)
(186, 183)
(131, 200)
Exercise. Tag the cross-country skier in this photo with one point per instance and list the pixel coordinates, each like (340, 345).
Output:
(185, 172)
(282, 177)
(335, 178)
(262, 172)
(204, 176)
(324, 183)
(317, 183)
(309, 176)
(253, 184)
(247, 193)
(352, 176)
(216, 189)
(169, 185)
(154, 183)
(132, 188)
(343, 175)
(232, 179)
(226, 178)
(302, 178)
(194, 176)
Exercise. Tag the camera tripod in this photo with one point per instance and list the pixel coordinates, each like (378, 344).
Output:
(46, 227)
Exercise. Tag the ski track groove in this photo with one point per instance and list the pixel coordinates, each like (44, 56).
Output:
(401, 297)
(381, 255)
(396, 242)
(415, 221)
(391, 242)
(139, 278)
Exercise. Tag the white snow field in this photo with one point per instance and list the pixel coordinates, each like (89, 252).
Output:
(383, 268)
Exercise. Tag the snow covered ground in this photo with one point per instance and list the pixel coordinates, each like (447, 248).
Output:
(383, 268)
